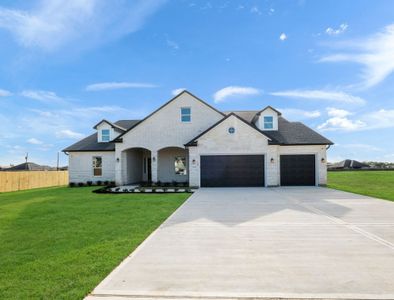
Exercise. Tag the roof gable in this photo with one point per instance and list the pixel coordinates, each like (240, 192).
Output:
(193, 142)
(113, 125)
(118, 139)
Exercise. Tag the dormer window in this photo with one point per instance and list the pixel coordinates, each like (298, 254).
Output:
(105, 135)
(268, 122)
(186, 114)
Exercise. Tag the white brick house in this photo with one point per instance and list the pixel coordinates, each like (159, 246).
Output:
(187, 140)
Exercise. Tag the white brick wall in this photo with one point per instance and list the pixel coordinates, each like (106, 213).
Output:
(165, 129)
(81, 166)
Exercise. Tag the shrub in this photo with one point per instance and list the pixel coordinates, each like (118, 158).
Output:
(99, 182)
(112, 183)
(144, 183)
(158, 183)
(89, 183)
(80, 184)
(72, 184)
(173, 183)
(125, 190)
(106, 182)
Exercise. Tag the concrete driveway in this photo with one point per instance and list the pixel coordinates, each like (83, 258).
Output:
(301, 242)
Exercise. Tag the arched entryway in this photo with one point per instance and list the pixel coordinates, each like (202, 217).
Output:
(173, 165)
(137, 165)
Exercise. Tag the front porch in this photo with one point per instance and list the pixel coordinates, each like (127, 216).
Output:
(141, 165)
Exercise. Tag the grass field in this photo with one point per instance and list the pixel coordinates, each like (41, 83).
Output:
(59, 243)
(378, 184)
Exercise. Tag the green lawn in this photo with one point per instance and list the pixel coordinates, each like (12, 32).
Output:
(59, 243)
(378, 184)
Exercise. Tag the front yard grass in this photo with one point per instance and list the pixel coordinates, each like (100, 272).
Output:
(59, 243)
(378, 184)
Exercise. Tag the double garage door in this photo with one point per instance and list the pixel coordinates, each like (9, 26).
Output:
(248, 170)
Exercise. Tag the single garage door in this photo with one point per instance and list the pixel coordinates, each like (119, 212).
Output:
(297, 169)
(232, 170)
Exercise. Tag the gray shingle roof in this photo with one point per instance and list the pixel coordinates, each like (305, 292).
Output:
(295, 133)
(90, 143)
(29, 166)
(288, 133)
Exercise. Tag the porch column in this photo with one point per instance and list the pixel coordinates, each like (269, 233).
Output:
(118, 168)
(154, 164)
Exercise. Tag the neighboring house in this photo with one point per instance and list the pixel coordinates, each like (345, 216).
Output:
(187, 140)
(29, 166)
(348, 164)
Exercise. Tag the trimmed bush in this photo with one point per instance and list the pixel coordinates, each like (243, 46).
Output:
(106, 182)
(80, 184)
(89, 183)
(98, 182)
(72, 184)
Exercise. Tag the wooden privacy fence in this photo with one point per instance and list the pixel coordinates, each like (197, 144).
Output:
(24, 180)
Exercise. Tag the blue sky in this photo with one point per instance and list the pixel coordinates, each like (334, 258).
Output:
(65, 65)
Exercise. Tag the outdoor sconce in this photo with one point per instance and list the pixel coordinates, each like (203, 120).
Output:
(117, 159)
(154, 158)
(193, 161)
(323, 160)
(272, 160)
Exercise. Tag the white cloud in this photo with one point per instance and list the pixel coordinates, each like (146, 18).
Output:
(34, 141)
(299, 114)
(5, 93)
(51, 24)
(335, 96)
(233, 91)
(177, 91)
(69, 134)
(375, 53)
(44, 96)
(341, 123)
(341, 29)
(255, 10)
(340, 120)
(118, 85)
(172, 44)
(283, 36)
(336, 112)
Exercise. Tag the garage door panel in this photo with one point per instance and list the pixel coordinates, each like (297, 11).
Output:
(297, 169)
(232, 170)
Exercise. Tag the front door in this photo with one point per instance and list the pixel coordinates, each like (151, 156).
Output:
(149, 169)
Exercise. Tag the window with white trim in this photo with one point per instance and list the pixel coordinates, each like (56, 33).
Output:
(105, 135)
(97, 166)
(186, 114)
(268, 122)
(180, 165)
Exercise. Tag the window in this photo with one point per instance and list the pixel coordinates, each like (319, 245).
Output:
(180, 165)
(105, 135)
(268, 122)
(97, 166)
(186, 114)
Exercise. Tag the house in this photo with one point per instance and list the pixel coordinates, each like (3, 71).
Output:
(348, 164)
(29, 166)
(188, 140)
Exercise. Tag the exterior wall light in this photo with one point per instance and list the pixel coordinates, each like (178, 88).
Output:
(272, 160)
(193, 161)
(117, 159)
(323, 160)
(154, 158)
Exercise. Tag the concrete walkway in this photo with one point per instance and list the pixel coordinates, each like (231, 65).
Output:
(269, 243)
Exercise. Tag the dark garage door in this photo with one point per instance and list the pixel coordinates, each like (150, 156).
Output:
(232, 170)
(297, 169)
